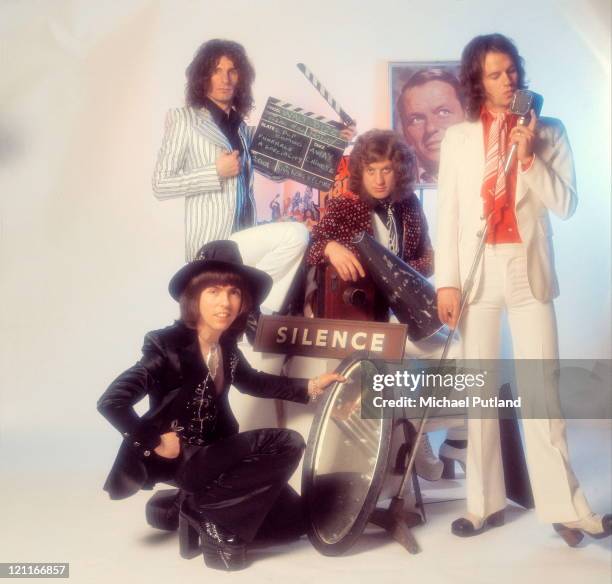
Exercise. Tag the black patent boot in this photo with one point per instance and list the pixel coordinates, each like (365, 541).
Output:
(162, 509)
(221, 550)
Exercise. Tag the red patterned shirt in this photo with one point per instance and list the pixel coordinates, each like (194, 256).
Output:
(506, 230)
(347, 216)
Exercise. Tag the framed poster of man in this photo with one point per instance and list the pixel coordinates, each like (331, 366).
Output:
(425, 100)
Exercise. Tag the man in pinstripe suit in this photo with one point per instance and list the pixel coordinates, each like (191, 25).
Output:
(205, 158)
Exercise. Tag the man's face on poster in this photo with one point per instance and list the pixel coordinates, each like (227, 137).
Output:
(427, 110)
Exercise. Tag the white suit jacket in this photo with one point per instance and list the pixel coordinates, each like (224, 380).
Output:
(548, 185)
(186, 167)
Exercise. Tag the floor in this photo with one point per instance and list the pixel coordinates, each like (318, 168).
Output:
(54, 511)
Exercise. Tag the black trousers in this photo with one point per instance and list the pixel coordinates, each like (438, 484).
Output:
(240, 482)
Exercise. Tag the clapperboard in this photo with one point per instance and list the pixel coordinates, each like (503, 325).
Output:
(292, 143)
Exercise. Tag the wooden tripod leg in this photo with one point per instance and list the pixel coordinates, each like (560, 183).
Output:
(380, 518)
(402, 521)
(403, 535)
(417, 496)
(281, 413)
(397, 521)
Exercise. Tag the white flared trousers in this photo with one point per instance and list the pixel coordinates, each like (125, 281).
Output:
(277, 249)
(503, 286)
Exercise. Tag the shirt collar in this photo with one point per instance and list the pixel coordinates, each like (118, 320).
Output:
(488, 116)
(219, 115)
(385, 203)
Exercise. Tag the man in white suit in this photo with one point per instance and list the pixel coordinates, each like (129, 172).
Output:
(205, 158)
(516, 275)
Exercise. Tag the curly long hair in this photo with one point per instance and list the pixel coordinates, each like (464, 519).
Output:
(376, 146)
(203, 65)
(472, 61)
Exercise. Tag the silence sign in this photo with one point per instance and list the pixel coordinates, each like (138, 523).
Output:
(329, 338)
(292, 143)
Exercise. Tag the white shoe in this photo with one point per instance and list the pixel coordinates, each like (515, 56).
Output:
(449, 455)
(426, 464)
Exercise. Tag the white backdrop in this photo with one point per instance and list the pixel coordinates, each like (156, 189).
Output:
(85, 249)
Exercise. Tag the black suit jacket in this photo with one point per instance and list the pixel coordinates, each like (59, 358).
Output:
(171, 362)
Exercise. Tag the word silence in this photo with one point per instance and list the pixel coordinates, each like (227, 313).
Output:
(329, 338)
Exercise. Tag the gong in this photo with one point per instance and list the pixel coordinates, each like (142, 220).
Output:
(353, 460)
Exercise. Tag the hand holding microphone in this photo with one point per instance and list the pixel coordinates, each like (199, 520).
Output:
(527, 105)
(521, 138)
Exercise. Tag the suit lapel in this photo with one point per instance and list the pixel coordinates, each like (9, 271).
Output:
(521, 185)
(477, 151)
(181, 349)
(229, 361)
(541, 147)
(185, 346)
(470, 163)
(192, 364)
(243, 133)
(207, 128)
(521, 189)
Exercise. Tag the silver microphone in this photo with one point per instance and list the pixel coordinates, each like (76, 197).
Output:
(522, 103)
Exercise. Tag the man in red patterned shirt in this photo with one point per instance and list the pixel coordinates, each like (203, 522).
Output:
(381, 202)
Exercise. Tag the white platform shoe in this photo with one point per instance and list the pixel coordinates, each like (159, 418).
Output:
(451, 452)
(427, 465)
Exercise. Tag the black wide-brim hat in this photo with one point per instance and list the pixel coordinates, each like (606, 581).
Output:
(222, 256)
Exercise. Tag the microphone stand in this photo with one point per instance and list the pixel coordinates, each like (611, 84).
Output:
(400, 529)
(522, 121)
(398, 521)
